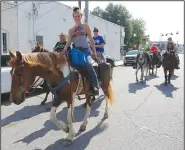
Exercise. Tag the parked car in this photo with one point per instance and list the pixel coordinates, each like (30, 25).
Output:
(130, 57)
(6, 77)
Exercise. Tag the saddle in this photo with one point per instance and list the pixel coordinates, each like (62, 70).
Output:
(77, 60)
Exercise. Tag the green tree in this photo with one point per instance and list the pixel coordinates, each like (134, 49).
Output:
(138, 30)
(118, 14)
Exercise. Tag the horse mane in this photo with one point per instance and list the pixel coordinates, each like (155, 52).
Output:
(50, 60)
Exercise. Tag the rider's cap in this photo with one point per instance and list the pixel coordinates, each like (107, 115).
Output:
(95, 30)
(169, 38)
(61, 34)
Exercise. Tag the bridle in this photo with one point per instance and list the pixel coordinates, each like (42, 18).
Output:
(20, 74)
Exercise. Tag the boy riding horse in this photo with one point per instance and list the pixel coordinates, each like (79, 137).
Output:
(171, 46)
(143, 47)
(155, 49)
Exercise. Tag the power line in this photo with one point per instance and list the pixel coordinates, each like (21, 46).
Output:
(13, 6)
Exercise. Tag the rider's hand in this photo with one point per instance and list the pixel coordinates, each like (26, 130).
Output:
(94, 54)
(65, 49)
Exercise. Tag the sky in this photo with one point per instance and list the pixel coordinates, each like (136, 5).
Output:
(160, 16)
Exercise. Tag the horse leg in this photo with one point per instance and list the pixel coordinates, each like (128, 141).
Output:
(156, 70)
(137, 69)
(46, 97)
(60, 124)
(68, 140)
(87, 113)
(147, 68)
(152, 69)
(169, 76)
(107, 89)
(165, 75)
(142, 71)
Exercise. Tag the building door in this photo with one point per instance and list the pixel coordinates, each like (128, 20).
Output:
(39, 40)
(4, 42)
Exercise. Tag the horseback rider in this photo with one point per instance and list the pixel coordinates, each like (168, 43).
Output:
(61, 44)
(144, 46)
(155, 49)
(78, 36)
(99, 44)
(171, 46)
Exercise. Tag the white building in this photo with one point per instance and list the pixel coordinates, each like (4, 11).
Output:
(9, 26)
(44, 21)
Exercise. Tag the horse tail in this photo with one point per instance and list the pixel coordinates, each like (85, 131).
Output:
(110, 94)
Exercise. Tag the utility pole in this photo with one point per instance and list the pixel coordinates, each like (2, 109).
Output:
(34, 10)
(79, 4)
(86, 11)
(17, 13)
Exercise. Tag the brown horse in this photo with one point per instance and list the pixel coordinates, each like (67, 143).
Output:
(154, 63)
(39, 48)
(168, 65)
(54, 67)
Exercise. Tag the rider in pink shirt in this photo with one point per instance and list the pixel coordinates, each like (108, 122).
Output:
(153, 49)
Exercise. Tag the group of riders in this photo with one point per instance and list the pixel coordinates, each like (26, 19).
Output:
(80, 37)
(144, 46)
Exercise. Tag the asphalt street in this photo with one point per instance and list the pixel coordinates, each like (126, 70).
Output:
(145, 116)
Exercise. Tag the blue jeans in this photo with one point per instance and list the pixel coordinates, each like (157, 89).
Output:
(90, 68)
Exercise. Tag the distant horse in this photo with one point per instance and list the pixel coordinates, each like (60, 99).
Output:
(154, 63)
(65, 81)
(142, 64)
(39, 48)
(168, 65)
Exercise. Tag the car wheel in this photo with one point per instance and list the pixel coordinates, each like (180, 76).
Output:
(125, 64)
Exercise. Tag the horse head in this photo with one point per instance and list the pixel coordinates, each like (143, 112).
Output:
(141, 57)
(22, 77)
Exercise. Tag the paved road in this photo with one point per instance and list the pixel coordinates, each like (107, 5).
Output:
(144, 117)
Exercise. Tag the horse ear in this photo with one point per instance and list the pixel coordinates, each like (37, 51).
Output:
(19, 55)
(12, 55)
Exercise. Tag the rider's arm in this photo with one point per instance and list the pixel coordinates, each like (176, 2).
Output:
(102, 43)
(174, 47)
(88, 31)
(69, 39)
(55, 46)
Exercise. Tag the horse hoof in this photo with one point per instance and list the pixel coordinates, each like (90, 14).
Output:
(42, 103)
(84, 105)
(93, 99)
(82, 128)
(67, 142)
(105, 116)
(142, 81)
(169, 82)
(137, 81)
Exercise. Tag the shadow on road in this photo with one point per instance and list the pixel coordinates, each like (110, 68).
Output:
(152, 76)
(25, 113)
(79, 113)
(166, 90)
(133, 87)
(174, 77)
(82, 141)
(5, 97)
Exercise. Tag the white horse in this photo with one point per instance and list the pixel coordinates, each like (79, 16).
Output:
(142, 64)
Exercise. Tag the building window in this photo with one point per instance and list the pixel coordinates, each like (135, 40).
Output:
(4, 43)
(39, 40)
